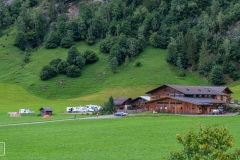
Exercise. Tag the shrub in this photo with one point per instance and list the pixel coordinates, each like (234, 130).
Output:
(106, 45)
(48, 72)
(62, 67)
(90, 57)
(182, 73)
(208, 143)
(138, 64)
(55, 62)
(21, 40)
(73, 71)
(90, 40)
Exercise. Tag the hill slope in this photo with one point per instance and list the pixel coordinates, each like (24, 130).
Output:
(96, 83)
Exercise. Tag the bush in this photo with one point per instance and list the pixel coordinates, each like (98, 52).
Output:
(138, 64)
(26, 58)
(208, 143)
(62, 67)
(55, 62)
(181, 73)
(90, 40)
(106, 45)
(73, 71)
(48, 72)
(90, 57)
(21, 40)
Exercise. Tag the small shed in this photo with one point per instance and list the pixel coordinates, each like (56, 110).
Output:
(46, 111)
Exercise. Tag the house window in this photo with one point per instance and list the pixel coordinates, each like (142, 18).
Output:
(188, 108)
(165, 102)
(172, 102)
(160, 107)
(159, 102)
(156, 107)
(181, 107)
(193, 108)
(165, 107)
(178, 102)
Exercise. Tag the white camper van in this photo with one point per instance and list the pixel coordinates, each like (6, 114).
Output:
(25, 111)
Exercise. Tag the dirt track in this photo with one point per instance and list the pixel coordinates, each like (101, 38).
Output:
(51, 121)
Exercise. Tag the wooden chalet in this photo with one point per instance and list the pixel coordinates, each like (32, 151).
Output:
(139, 102)
(187, 99)
(122, 102)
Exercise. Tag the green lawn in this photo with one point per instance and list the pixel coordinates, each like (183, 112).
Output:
(133, 137)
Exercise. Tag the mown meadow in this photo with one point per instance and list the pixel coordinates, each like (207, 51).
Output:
(133, 137)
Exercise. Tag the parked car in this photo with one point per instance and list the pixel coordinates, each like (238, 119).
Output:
(216, 111)
(232, 102)
(120, 114)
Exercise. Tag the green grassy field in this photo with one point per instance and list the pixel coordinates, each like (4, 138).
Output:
(133, 137)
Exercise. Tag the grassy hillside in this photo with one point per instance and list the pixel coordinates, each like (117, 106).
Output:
(128, 138)
(21, 85)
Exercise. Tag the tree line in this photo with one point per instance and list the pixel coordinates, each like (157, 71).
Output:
(199, 35)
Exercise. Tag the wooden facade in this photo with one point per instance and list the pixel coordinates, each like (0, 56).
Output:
(187, 99)
(169, 105)
(139, 102)
(122, 102)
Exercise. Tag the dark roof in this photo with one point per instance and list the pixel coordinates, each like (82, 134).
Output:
(121, 100)
(209, 90)
(221, 88)
(46, 109)
(197, 101)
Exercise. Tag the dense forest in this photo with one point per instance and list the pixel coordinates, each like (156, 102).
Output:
(200, 35)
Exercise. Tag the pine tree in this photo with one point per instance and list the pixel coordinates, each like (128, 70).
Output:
(216, 75)
(172, 51)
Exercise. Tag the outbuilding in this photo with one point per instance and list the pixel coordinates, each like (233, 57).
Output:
(46, 111)
(122, 102)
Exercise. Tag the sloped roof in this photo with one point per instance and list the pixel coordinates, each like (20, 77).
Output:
(46, 109)
(120, 100)
(221, 88)
(146, 98)
(209, 90)
(197, 101)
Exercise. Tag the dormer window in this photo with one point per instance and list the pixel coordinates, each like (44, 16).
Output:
(209, 90)
(187, 89)
(199, 90)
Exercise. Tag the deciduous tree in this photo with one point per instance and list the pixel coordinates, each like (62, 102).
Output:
(208, 143)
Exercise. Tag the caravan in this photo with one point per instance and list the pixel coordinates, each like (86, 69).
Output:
(25, 111)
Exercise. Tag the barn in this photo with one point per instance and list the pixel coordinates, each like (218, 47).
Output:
(122, 102)
(182, 99)
(139, 102)
(46, 111)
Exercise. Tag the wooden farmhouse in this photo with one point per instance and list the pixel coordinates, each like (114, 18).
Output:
(139, 102)
(187, 99)
(46, 111)
(122, 103)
